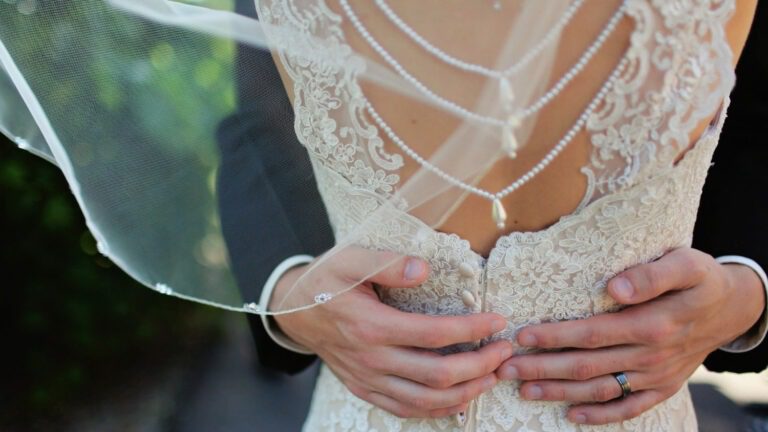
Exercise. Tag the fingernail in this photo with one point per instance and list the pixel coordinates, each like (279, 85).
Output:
(623, 288)
(498, 325)
(528, 340)
(580, 418)
(413, 269)
(509, 373)
(534, 392)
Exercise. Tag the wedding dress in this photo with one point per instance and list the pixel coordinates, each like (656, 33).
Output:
(110, 99)
(641, 201)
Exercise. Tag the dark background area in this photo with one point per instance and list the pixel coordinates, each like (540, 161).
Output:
(76, 327)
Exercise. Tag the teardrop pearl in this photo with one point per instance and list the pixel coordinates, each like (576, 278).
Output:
(466, 270)
(509, 141)
(499, 214)
(468, 298)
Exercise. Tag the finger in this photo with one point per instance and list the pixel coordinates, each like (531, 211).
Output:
(444, 371)
(387, 403)
(427, 331)
(423, 399)
(403, 411)
(595, 332)
(390, 269)
(617, 411)
(677, 270)
(446, 412)
(577, 365)
(601, 389)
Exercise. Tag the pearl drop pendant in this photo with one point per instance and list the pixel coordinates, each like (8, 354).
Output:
(509, 142)
(499, 214)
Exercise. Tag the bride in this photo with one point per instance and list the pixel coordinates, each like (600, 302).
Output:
(610, 175)
(521, 153)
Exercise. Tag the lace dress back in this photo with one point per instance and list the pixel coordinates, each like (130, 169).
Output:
(640, 201)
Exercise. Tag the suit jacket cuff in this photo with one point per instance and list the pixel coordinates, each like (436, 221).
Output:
(755, 336)
(270, 326)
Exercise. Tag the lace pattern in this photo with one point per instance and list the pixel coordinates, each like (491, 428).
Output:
(639, 202)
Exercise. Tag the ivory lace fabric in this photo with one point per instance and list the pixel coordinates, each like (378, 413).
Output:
(639, 202)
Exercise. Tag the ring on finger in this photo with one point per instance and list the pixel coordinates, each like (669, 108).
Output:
(623, 381)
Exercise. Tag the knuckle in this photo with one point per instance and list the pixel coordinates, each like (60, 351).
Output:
(358, 391)
(593, 338)
(652, 359)
(695, 264)
(479, 329)
(528, 372)
(654, 276)
(582, 370)
(440, 376)
(420, 402)
(659, 332)
(369, 360)
(357, 331)
(433, 338)
(603, 393)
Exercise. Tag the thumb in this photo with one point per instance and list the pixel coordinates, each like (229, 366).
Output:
(382, 267)
(677, 270)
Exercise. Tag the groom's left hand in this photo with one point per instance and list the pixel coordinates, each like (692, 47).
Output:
(682, 307)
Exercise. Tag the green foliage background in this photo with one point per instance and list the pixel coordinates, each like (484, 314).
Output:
(76, 325)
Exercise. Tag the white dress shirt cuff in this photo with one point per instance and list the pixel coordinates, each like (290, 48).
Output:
(270, 325)
(756, 334)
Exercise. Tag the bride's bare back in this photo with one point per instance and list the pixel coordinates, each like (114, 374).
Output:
(560, 188)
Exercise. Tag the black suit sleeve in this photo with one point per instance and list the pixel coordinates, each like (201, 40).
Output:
(266, 189)
(734, 207)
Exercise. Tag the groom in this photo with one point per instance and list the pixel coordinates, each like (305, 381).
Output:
(260, 159)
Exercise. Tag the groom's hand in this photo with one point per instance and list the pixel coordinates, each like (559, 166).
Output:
(379, 352)
(683, 306)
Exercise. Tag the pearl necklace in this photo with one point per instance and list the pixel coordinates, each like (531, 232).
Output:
(476, 68)
(513, 119)
(498, 213)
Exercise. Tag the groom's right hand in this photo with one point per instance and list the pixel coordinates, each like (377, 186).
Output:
(382, 354)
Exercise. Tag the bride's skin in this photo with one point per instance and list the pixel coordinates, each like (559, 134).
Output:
(374, 349)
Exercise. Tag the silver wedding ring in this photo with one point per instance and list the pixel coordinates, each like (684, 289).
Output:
(623, 381)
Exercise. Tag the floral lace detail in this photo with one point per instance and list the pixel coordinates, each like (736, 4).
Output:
(551, 275)
(673, 81)
(639, 202)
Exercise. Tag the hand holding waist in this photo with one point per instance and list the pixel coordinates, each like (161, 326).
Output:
(382, 354)
(682, 307)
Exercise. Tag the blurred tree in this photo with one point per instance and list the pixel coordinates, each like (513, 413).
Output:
(77, 327)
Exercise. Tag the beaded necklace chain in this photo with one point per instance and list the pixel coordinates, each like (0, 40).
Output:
(513, 119)
(498, 213)
(499, 74)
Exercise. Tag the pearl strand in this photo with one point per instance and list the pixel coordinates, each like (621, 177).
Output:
(476, 68)
(496, 198)
(456, 108)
